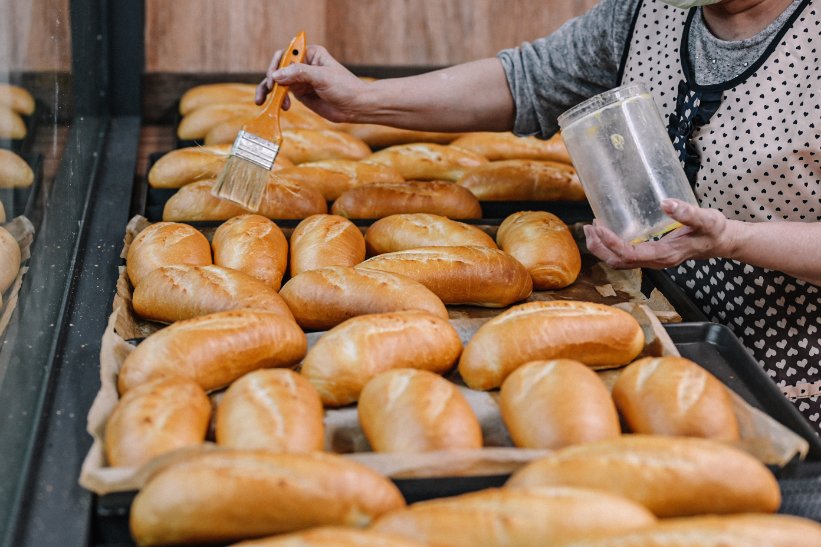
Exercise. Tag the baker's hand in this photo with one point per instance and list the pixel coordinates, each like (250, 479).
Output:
(321, 83)
(706, 234)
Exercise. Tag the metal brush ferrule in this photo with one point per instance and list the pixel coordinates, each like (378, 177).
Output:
(256, 150)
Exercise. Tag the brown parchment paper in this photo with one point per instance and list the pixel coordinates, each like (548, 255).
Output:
(23, 231)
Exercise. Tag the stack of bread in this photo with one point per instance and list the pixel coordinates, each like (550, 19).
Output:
(15, 102)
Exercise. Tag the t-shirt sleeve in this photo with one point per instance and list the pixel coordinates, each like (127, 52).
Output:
(579, 60)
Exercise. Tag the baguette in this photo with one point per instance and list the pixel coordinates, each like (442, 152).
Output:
(10, 258)
(155, 418)
(674, 396)
(409, 231)
(17, 99)
(409, 410)
(473, 275)
(518, 517)
(385, 199)
(216, 349)
(320, 241)
(12, 125)
(427, 161)
(671, 476)
(597, 335)
(203, 95)
(197, 123)
(544, 245)
(254, 245)
(507, 146)
(308, 145)
(332, 536)
(271, 409)
(227, 131)
(176, 293)
(14, 171)
(350, 354)
(166, 244)
(231, 494)
(383, 136)
(524, 180)
(321, 299)
(553, 404)
(334, 177)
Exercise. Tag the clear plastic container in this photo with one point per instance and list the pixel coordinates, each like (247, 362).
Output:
(625, 161)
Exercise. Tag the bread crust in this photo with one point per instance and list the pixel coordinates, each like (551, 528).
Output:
(524, 180)
(166, 244)
(428, 161)
(14, 171)
(408, 231)
(380, 200)
(254, 245)
(334, 177)
(322, 241)
(507, 146)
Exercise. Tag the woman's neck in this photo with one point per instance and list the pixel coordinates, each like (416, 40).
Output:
(740, 19)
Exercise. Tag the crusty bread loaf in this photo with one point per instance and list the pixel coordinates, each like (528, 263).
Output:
(282, 200)
(382, 136)
(671, 476)
(320, 241)
(428, 161)
(460, 275)
(410, 410)
(597, 335)
(14, 171)
(216, 349)
(332, 536)
(333, 177)
(253, 245)
(12, 125)
(321, 299)
(524, 180)
(176, 293)
(227, 131)
(558, 403)
(155, 418)
(166, 244)
(544, 245)
(307, 145)
(384, 199)
(16, 98)
(9, 259)
(409, 231)
(228, 92)
(271, 409)
(227, 495)
(507, 146)
(350, 354)
(197, 123)
(504, 517)
(674, 396)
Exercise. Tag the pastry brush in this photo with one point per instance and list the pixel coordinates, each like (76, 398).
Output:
(245, 175)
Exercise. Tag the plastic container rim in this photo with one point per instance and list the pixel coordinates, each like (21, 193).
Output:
(600, 101)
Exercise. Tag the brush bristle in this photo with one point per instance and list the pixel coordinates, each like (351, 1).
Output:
(242, 182)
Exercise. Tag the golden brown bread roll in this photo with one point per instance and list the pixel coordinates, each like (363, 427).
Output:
(155, 418)
(507, 146)
(409, 410)
(9, 259)
(409, 231)
(216, 349)
(558, 403)
(321, 241)
(281, 200)
(333, 177)
(2, 213)
(229, 92)
(524, 180)
(14, 171)
(12, 125)
(227, 131)
(16, 98)
(332, 536)
(271, 409)
(166, 244)
(597, 335)
(227, 495)
(505, 517)
(307, 145)
(197, 123)
(384, 199)
(176, 293)
(321, 299)
(460, 275)
(350, 354)
(674, 396)
(253, 245)
(427, 161)
(382, 136)
(671, 476)
(544, 245)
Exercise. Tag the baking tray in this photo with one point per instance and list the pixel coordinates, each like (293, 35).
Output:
(32, 121)
(23, 201)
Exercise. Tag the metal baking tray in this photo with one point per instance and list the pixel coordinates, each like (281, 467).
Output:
(23, 201)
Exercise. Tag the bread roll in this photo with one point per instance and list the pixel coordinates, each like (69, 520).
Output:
(207, 94)
(216, 349)
(671, 476)
(350, 354)
(524, 180)
(254, 245)
(197, 123)
(176, 293)
(507, 146)
(333, 177)
(332, 536)
(166, 244)
(427, 161)
(17, 99)
(382, 136)
(460, 275)
(544, 244)
(321, 241)
(597, 335)
(321, 299)
(674, 396)
(409, 231)
(307, 145)
(2, 213)
(409, 410)
(505, 517)
(9, 259)
(271, 409)
(155, 418)
(385, 199)
(12, 125)
(227, 131)
(227, 495)
(281, 200)
(14, 171)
